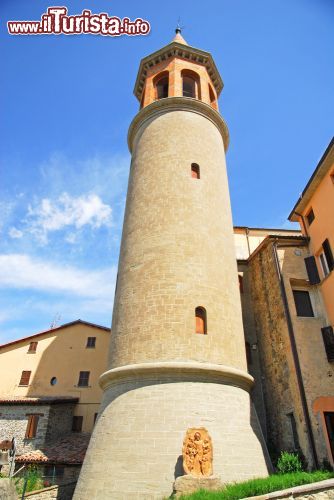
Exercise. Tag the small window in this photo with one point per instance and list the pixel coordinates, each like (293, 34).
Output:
(303, 303)
(91, 342)
(310, 217)
(324, 265)
(328, 338)
(195, 171)
(25, 377)
(161, 87)
(188, 86)
(32, 347)
(31, 429)
(83, 379)
(328, 254)
(200, 323)
(248, 353)
(53, 381)
(77, 423)
(241, 283)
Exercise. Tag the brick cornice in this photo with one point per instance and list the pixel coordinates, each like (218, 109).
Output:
(170, 104)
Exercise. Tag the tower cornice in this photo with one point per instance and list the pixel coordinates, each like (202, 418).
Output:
(170, 104)
(177, 49)
(182, 370)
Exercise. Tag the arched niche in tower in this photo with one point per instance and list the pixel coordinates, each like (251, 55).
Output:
(200, 320)
(213, 99)
(161, 84)
(191, 84)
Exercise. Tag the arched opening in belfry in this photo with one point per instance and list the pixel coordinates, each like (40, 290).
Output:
(195, 171)
(200, 320)
(213, 100)
(190, 84)
(161, 83)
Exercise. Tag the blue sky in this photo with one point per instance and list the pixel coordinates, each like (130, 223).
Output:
(66, 106)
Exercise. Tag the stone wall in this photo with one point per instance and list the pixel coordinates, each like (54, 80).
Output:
(280, 390)
(54, 421)
(7, 490)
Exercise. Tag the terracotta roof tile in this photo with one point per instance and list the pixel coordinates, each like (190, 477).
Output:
(70, 449)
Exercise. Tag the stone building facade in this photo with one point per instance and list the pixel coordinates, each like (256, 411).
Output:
(286, 352)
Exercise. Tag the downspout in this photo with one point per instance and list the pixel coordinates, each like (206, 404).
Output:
(303, 221)
(296, 359)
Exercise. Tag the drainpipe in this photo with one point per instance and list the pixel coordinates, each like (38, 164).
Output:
(303, 221)
(296, 359)
(247, 237)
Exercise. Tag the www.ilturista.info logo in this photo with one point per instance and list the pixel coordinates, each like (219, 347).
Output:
(57, 22)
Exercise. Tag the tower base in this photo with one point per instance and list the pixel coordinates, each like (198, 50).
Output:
(136, 448)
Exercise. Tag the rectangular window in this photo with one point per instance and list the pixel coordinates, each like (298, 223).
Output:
(328, 338)
(328, 254)
(32, 347)
(91, 342)
(77, 423)
(310, 217)
(25, 377)
(303, 303)
(324, 265)
(31, 429)
(83, 379)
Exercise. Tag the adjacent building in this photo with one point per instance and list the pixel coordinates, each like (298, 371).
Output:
(49, 392)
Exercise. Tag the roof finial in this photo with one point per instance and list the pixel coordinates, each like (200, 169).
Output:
(178, 28)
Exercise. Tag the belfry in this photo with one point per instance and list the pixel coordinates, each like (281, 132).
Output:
(177, 353)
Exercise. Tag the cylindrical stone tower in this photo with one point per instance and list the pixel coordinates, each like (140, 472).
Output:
(177, 352)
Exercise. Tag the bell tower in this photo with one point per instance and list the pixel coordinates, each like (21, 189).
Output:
(177, 354)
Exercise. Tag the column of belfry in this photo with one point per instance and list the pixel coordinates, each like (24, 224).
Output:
(177, 353)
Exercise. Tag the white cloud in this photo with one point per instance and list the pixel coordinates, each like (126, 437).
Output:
(66, 211)
(23, 272)
(15, 233)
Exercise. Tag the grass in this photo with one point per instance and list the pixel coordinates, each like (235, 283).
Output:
(261, 486)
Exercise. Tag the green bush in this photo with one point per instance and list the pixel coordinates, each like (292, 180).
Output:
(289, 462)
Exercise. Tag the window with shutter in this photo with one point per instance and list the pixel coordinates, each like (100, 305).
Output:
(32, 347)
(324, 265)
(328, 254)
(328, 338)
(200, 323)
(77, 423)
(303, 303)
(31, 429)
(83, 379)
(25, 377)
(312, 270)
(91, 341)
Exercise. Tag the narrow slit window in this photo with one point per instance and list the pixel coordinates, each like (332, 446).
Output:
(200, 321)
(310, 217)
(195, 171)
